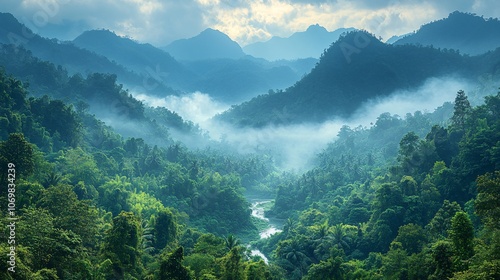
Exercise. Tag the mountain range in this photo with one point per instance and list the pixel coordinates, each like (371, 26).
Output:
(468, 33)
(140, 58)
(309, 43)
(344, 77)
(356, 68)
(229, 78)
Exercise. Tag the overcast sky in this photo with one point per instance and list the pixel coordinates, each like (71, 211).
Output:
(161, 21)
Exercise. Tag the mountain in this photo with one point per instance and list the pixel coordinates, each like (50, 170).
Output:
(237, 80)
(66, 54)
(141, 58)
(356, 68)
(209, 44)
(468, 33)
(309, 43)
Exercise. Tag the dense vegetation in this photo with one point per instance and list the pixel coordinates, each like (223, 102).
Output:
(103, 191)
(430, 214)
(121, 208)
(94, 205)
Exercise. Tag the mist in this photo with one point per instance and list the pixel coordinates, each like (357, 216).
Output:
(295, 146)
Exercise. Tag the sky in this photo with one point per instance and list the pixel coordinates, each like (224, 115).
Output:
(160, 22)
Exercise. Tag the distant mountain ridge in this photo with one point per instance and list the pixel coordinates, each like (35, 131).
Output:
(74, 59)
(468, 33)
(145, 67)
(309, 43)
(209, 44)
(141, 58)
(356, 68)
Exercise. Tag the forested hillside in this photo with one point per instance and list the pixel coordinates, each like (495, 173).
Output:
(356, 68)
(374, 207)
(93, 205)
(428, 212)
(468, 33)
(96, 184)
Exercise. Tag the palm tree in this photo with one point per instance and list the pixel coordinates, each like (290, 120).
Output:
(291, 251)
(322, 241)
(147, 237)
(289, 226)
(341, 237)
(231, 242)
(52, 179)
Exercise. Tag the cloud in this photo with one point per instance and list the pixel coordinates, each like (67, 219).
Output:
(153, 21)
(196, 107)
(294, 147)
(162, 21)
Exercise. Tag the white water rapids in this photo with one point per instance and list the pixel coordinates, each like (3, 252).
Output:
(272, 228)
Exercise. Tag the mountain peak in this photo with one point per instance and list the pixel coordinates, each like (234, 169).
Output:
(316, 28)
(209, 44)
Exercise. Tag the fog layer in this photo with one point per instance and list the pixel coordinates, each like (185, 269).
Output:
(294, 146)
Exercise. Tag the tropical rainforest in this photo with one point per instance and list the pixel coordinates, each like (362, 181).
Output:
(97, 185)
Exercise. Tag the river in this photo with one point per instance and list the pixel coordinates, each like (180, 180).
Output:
(273, 225)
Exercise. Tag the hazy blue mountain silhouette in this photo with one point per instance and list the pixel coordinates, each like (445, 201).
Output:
(309, 43)
(209, 44)
(356, 68)
(468, 33)
(141, 58)
(74, 59)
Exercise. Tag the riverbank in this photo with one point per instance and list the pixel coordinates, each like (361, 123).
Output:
(265, 225)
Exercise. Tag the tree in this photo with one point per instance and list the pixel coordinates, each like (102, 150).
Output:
(171, 267)
(441, 223)
(257, 271)
(231, 266)
(442, 253)
(18, 151)
(462, 236)
(330, 269)
(231, 242)
(487, 203)
(121, 245)
(462, 109)
(291, 251)
(340, 236)
(70, 213)
(164, 229)
(412, 238)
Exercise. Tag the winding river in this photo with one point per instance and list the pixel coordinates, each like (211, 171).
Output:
(273, 225)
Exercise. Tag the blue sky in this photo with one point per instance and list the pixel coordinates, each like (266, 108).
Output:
(162, 21)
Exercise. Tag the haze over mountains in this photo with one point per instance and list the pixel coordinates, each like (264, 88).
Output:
(347, 76)
(309, 43)
(209, 44)
(467, 33)
(353, 70)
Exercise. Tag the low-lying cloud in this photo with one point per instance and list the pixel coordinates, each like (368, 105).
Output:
(295, 146)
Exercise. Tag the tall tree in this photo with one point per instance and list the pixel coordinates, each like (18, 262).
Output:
(462, 109)
(17, 150)
(121, 245)
(165, 229)
(487, 203)
(462, 236)
(171, 267)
